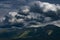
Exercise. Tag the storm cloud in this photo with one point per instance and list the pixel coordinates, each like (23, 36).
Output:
(33, 14)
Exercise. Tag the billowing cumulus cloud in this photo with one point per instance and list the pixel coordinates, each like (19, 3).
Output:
(33, 14)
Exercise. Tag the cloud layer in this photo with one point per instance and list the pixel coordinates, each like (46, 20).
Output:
(33, 14)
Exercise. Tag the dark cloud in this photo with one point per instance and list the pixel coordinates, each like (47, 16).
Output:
(33, 14)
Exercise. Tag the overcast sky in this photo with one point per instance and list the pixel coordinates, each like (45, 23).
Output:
(13, 5)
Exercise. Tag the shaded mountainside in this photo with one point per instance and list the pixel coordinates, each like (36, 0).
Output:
(49, 32)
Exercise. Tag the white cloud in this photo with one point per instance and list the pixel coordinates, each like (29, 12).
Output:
(12, 20)
(48, 7)
(45, 6)
(2, 19)
(20, 20)
(57, 23)
(25, 9)
(13, 14)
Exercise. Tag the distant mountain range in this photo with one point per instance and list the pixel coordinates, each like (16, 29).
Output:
(49, 32)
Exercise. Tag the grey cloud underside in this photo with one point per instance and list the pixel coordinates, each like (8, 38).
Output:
(33, 14)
